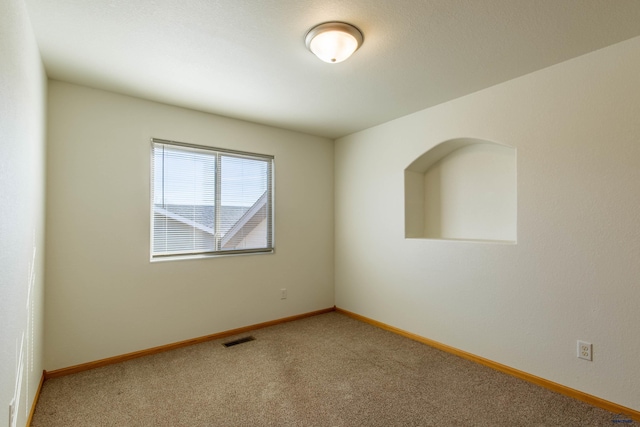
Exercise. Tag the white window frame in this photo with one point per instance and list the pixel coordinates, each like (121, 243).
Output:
(218, 251)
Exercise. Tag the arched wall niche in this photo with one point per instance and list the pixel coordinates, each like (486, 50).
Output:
(462, 189)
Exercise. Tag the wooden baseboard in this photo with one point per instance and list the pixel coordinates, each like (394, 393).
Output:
(124, 357)
(559, 388)
(35, 400)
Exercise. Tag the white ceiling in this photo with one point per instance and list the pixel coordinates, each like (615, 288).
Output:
(247, 59)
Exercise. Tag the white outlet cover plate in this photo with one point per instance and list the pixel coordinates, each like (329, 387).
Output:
(585, 350)
(12, 410)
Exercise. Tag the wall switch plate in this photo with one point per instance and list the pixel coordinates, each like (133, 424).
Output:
(585, 350)
(12, 412)
(283, 293)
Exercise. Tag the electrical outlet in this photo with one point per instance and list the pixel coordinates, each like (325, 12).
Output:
(584, 350)
(283, 293)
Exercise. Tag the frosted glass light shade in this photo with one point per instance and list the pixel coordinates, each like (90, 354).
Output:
(334, 42)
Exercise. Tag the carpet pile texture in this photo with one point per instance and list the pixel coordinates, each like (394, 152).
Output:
(326, 370)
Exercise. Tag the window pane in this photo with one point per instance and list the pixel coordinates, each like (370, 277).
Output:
(243, 212)
(184, 200)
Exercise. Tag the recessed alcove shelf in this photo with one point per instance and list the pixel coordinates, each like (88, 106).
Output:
(462, 189)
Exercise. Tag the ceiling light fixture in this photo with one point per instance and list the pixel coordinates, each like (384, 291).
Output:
(334, 42)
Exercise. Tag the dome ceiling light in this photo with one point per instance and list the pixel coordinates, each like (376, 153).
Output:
(334, 42)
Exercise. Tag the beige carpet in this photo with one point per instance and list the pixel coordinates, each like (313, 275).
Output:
(327, 370)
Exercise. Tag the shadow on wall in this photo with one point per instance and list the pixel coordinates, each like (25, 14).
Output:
(462, 189)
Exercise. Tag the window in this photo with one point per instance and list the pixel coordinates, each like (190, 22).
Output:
(208, 201)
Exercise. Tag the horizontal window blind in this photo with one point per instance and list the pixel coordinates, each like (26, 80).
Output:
(210, 201)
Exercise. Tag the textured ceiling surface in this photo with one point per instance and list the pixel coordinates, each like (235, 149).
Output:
(247, 59)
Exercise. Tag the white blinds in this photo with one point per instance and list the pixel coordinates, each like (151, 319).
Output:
(208, 201)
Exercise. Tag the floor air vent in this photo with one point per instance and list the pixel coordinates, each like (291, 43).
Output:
(238, 341)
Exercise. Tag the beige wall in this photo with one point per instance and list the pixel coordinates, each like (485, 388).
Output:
(574, 272)
(104, 297)
(22, 159)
